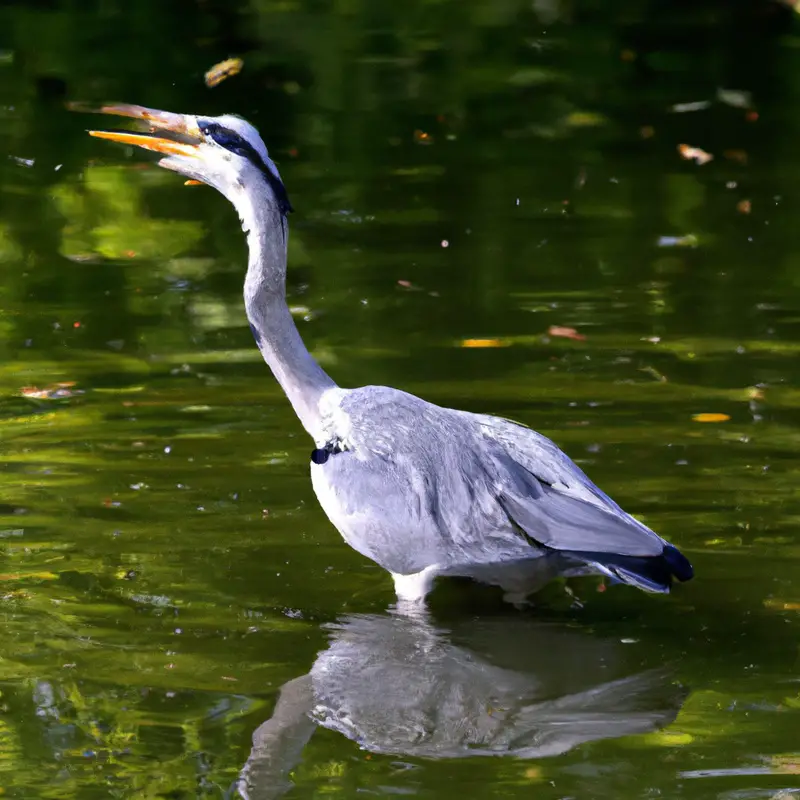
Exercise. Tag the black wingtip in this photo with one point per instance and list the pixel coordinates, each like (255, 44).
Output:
(652, 573)
(678, 563)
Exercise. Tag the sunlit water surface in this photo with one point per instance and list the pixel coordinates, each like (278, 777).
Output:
(466, 177)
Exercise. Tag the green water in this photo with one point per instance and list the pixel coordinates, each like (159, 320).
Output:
(165, 566)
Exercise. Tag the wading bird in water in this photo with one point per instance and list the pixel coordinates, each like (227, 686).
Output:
(420, 489)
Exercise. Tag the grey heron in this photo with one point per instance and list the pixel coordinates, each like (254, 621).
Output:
(420, 489)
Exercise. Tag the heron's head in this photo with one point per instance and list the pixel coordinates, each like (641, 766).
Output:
(225, 152)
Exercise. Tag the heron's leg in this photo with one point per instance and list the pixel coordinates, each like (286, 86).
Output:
(413, 588)
(521, 579)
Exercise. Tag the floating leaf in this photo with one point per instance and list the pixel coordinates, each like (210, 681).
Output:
(534, 773)
(483, 343)
(36, 576)
(781, 605)
(225, 69)
(565, 333)
(695, 154)
(786, 764)
(710, 417)
(585, 119)
(683, 108)
(735, 97)
(689, 240)
(57, 391)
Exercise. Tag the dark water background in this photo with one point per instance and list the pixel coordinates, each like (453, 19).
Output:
(165, 567)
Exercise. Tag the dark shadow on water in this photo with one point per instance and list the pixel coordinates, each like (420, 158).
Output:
(502, 686)
(711, 626)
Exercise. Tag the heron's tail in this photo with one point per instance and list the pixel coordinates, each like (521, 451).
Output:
(651, 573)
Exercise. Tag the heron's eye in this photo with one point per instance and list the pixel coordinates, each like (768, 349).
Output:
(229, 140)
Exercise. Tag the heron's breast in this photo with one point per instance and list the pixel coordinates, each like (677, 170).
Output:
(350, 525)
(326, 495)
(376, 519)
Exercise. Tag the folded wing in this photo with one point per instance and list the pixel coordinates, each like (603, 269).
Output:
(555, 505)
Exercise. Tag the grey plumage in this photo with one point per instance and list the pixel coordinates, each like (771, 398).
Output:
(420, 489)
(419, 485)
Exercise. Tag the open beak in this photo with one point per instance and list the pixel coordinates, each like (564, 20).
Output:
(184, 128)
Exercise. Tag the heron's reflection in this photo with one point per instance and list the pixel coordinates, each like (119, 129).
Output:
(504, 686)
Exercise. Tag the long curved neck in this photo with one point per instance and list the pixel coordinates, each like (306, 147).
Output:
(300, 377)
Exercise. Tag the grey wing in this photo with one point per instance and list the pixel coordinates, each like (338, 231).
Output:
(550, 498)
